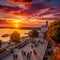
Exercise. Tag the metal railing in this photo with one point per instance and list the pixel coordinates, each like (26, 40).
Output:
(4, 54)
(8, 52)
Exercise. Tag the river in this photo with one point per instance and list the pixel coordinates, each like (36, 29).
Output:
(10, 31)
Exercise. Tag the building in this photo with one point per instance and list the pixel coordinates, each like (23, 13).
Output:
(44, 27)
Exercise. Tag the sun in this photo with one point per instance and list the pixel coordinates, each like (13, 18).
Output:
(17, 23)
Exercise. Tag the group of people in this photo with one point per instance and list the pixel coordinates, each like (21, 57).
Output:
(13, 51)
(35, 44)
(41, 42)
(28, 54)
(15, 56)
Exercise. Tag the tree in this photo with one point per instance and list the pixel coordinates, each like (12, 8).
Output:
(34, 33)
(53, 32)
(56, 55)
(0, 43)
(15, 37)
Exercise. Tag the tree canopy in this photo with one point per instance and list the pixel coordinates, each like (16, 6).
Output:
(15, 37)
(53, 32)
(33, 33)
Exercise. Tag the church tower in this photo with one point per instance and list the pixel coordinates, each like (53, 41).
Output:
(46, 24)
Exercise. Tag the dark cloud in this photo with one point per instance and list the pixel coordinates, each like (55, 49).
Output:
(34, 9)
(47, 0)
(52, 18)
(9, 8)
(50, 11)
(31, 9)
(36, 6)
(58, 15)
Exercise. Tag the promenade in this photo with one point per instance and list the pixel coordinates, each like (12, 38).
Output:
(40, 51)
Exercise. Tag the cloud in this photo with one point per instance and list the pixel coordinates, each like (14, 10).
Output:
(37, 10)
(50, 18)
(21, 1)
(31, 9)
(57, 15)
(47, 0)
(9, 8)
(3, 21)
(28, 13)
(36, 6)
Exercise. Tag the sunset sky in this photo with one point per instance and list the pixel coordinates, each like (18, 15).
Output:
(28, 13)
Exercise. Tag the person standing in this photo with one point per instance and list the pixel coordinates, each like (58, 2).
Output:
(16, 56)
(28, 56)
(13, 56)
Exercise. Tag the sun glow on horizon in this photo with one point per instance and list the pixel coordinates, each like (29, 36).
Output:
(16, 23)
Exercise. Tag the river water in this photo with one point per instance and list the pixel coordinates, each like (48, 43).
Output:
(10, 31)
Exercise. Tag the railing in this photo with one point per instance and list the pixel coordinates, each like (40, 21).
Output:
(21, 45)
(8, 52)
(4, 54)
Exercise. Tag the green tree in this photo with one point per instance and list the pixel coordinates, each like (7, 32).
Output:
(0, 43)
(15, 37)
(34, 33)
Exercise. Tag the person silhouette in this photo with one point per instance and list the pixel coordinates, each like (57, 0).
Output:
(16, 56)
(13, 56)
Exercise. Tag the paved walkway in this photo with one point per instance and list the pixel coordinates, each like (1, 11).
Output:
(40, 50)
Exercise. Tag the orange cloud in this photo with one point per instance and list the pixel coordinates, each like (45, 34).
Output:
(21, 1)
